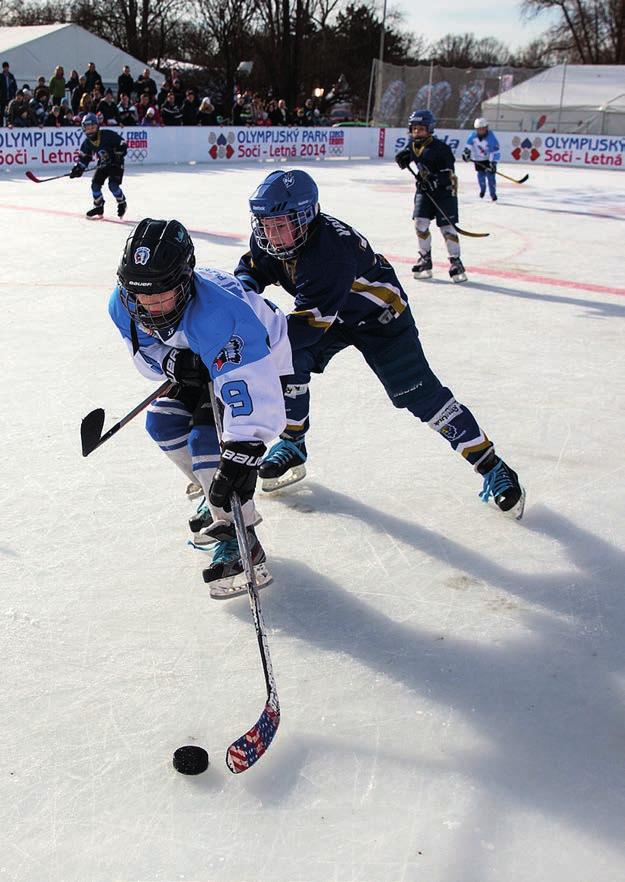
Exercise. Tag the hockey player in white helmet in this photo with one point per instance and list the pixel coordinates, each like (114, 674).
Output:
(482, 148)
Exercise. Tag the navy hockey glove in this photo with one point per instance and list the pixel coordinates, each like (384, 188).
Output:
(185, 367)
(466, 154)
(426, 183)
(77, 171)
(238, 471)
(483, 165)
(120, 151)
(404, 157)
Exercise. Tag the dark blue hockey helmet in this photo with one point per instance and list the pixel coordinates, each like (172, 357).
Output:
(158, 257)
(283, 208)
(88, 120)
(422, 118)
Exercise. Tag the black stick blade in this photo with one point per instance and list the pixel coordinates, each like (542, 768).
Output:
(249, 748)
(523, 180)
(91, 430)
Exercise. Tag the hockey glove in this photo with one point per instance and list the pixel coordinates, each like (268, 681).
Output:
(493, 167)
(483, 165)
(185, 367)
(120, 152)
(466, 154)
(238, 471)
(77, 171)
(426, 183)
(404, 157)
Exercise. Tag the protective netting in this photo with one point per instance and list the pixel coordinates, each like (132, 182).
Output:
(452, 94)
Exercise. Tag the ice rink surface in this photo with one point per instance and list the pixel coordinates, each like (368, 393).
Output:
(452, 683)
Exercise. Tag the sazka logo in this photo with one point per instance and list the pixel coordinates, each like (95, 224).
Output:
(230, 353)
(142, 255)
(525, 149)
(221, 146)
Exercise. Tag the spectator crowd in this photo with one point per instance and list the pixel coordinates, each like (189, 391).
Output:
(64, 102)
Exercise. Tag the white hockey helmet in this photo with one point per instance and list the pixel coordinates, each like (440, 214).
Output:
(480, 123)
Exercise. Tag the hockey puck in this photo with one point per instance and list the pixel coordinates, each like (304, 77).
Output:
(190, 760)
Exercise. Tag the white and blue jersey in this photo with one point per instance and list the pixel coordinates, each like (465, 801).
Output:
(485, 148)
(241, 338)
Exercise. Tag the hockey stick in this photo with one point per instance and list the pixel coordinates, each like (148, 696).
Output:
(33, 177)
(91, 427)
(247, 749)
(441, 212)
(514, 180)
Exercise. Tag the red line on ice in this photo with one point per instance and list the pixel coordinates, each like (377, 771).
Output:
(526, 277)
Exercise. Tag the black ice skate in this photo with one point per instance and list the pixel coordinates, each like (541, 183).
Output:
(226, 573)
(283, 465)
(456, 270)
(482, 192)
(502, 484)
(423, 267)
(121, 207)
(199, 522)
(96, 211)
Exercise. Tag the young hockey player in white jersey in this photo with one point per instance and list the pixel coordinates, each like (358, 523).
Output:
(196, 327)
(482, 148)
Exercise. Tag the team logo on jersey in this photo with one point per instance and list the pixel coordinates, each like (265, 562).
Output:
(142, 255)
(288, 180)
(230, 353)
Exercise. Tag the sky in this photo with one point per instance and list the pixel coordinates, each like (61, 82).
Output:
(484, 18)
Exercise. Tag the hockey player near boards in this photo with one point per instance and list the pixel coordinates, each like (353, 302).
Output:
(482, 148)
(108, 149)
(347, 295)
(436, 195)
(196, 326)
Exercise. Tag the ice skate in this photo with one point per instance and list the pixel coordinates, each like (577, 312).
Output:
(456, 270)
(198, 522)
(226, 574)
(97, 211)
(283, 465)
(121, 207)
(501, 483)
(482, 193)
(494, 198)
(423, 267)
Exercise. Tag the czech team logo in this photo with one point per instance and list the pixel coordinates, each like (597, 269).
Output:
(221, 146)
(524, 149)
(142, 255)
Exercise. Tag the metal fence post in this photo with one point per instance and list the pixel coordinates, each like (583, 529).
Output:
(561, 96)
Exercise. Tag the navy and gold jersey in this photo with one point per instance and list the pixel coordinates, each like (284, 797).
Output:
(108, 148)
(335, 276)
(437, 157)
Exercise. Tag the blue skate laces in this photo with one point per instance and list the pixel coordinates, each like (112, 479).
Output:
(496, 482)
(225, 551)
(283, 450)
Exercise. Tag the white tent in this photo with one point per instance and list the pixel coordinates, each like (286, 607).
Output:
(36, 50)
(568, 97)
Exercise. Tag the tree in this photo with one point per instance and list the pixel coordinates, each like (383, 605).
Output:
(588, 32)
(465, 50)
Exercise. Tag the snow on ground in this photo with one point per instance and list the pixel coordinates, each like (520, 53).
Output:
(452, 684)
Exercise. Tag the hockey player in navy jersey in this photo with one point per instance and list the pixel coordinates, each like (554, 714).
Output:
(108, 149)
(347, 295)
(436, 183)
(196, 326)
(482, 148)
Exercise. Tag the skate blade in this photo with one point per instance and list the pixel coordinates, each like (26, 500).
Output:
(297, 473)
(424, 274)
(224, 589)
(461, 277)
(517, 510)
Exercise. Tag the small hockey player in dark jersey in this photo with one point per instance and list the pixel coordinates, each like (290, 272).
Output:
(108, 149)
(483, 148)
(435, 178)
(194, 326)
(347, 295)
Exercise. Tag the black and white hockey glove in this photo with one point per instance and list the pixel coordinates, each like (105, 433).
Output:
(466, 154)
(238, 471)
(185, 367)
(77, 171)
(404, 157)
(483, 165)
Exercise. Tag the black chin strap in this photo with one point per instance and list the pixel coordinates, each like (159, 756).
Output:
(134, 337)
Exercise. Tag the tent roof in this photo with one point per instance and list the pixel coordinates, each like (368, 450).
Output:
(35, 51)
(586, 87)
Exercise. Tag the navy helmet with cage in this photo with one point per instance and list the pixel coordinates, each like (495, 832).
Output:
(421, 118)
(158, 257)
(90, 119)
(288, 196)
